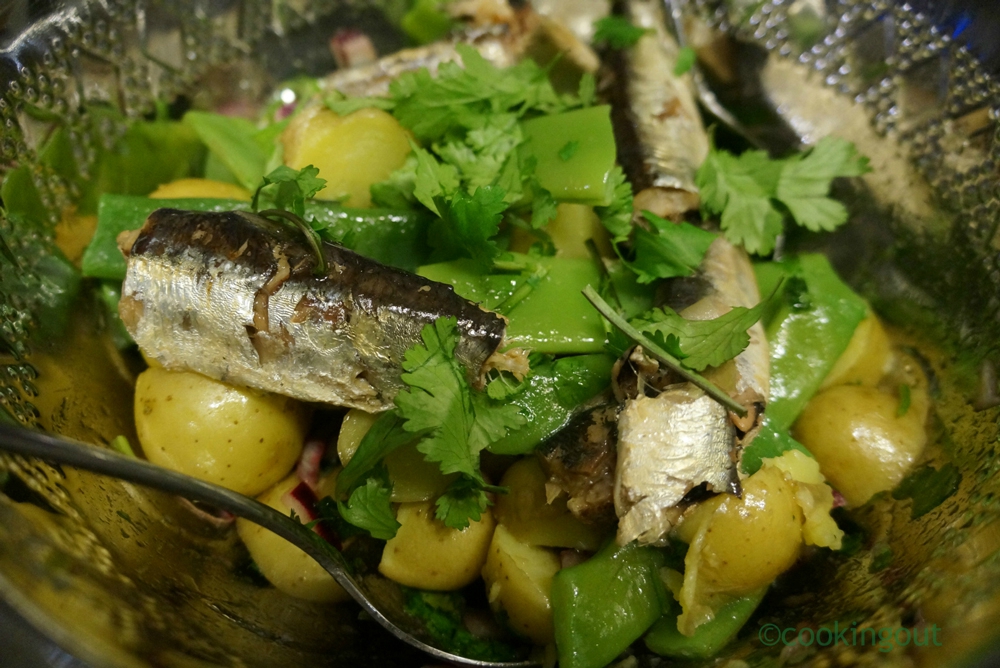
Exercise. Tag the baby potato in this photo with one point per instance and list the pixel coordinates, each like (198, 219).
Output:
(862, 445)
(413, 477)
(744, 543)
(527, 516)
(200, 188)
(352, 152)
(518, 580)
(867, 358)
(428, 555)
(285, 566)
(235, 437)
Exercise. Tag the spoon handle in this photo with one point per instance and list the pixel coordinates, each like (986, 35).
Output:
(59, 450)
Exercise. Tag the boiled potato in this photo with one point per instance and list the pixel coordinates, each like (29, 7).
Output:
(413, 477)
(739, 545)
(235, 437)
(352, 152)
(518, 580)
(200, 188)
(428, 555)
(527, 516)
(285, 566)
(862, 445)
(867, 358)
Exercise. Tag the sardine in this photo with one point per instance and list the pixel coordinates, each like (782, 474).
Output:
(667, 445)
(234, 296)
(663, 132)
(579, 462)
(519, 35)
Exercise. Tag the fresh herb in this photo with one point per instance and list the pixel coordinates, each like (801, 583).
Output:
(796, 293)
(454, 423)
(904, 400)
(441, 613)
(369, 506)
(699, 344)
(384, 436)
(617, 216)
(121, 445)
(668, 249)
(751, 191)
(342, 105)
(928, 487)
(618, 32)
(289, 188)
(569, 150)
(686, 58)
(660, 354)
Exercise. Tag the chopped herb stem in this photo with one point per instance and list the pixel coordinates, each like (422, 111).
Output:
(904, 400)
(312, 237)
(658, 353)
(607, 284)
(121, 445)
(522, 291)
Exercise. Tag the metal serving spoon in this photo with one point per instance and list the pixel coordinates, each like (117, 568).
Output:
(374, 593)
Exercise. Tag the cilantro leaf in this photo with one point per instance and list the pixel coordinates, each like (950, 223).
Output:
(432, 179)
(617, 216)
(569, 150)
(369, 507)
(543, 206)
(384, 436)
(686, 58)
(617, 31)
(805, 183)
(701, 343)
(463, 502)
(458, 423)
(744, 189)
(474, 220)
(294, 187)
(669, 249)
(928, 487)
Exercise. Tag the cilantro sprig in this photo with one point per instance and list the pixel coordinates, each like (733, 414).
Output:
(287, 190)
(754, 194)
(656, 351)
(618, 32)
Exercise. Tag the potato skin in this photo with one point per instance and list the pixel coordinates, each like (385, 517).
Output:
(531, 520)
(862, 445)
(867, 359)
(518, 580)
(428, 555)
(285, 566)
(235, 437)
(200, 188)
(747, 542)
(352, 152)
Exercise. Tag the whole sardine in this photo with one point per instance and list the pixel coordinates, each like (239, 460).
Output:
(662, 139)
(234, 296)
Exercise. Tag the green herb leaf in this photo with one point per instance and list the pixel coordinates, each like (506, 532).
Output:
(669, 249)
(569, 150)
(294, 187)
(928, 487)
(617, 31)
(370, 507)
(432, 179)
(744, 191)
(617, 216)
(904, 400)
(456, 422)
(699, 344)
(686, 58)
(384, 436)
(474, 220)
(804, 184)
(463, 502)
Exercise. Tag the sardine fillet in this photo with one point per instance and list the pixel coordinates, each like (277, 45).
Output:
(234, 296)
(667, 445)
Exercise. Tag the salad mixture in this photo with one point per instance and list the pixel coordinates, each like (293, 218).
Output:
(498, 310)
